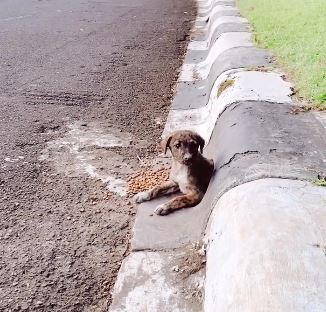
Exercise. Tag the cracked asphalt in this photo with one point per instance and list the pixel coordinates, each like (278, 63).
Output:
(73, 74)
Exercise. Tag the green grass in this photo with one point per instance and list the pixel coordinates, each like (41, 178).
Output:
(224, 85)
(295, 31)
(320, 181)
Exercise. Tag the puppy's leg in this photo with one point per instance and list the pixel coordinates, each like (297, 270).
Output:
(160, 190)
(184, 201)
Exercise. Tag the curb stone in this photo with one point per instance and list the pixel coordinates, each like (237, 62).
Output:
(262, 219)
(267, 252)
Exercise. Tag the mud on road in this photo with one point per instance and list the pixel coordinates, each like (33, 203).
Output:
(70, 136)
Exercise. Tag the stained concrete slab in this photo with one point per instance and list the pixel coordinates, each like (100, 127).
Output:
(196, 94)
(159, 281)
(201, 70)
(251, 140)
(266, 252)
(232, 86)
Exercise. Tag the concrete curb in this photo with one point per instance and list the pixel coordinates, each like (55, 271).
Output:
(262, 221)
(267, 252)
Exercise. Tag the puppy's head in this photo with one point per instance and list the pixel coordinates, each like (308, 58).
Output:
(184, 145)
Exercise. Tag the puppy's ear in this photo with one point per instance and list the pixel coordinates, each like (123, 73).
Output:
(200, 141)
(165, 144)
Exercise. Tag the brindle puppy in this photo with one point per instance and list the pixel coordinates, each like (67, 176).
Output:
(190, 173)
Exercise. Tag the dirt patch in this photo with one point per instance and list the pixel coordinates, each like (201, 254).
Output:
(191, 262)
(189, 268)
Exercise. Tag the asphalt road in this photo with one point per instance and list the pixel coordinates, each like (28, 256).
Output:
(85, 87)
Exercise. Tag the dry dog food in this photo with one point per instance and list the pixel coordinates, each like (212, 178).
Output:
(146, 179)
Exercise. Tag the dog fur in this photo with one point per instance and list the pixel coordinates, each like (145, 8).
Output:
(190, 173)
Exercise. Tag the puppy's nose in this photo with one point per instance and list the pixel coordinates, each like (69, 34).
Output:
(187, 157)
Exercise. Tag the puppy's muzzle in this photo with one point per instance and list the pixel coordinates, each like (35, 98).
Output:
(187, 158)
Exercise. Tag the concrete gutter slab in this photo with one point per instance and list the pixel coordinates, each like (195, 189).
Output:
(155, 281)
(152, 232)
(267, 252)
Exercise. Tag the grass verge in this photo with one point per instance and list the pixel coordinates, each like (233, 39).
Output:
(294, 30)
(320, 181)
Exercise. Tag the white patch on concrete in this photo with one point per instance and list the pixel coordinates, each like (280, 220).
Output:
(85, 150)
(247, 86)
(96, 136)
(115, 185)
(201, 70)
(143, 285)
(204, 44)
(268, 252)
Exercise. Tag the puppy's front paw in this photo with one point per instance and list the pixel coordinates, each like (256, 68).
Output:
(142, 197)
(162, 210)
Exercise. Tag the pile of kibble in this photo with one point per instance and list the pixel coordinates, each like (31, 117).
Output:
(146, 179)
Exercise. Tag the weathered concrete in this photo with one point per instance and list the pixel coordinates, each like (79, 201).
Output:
(201, 70)
(205, 9)
(206, 18)
(267, 252)
(159, 281)
(256, 140)
(221, 25)
(204, 23)
(251, 140)
(230, 87)
(196, 94)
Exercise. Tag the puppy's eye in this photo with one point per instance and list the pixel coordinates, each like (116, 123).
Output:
(177, 145)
